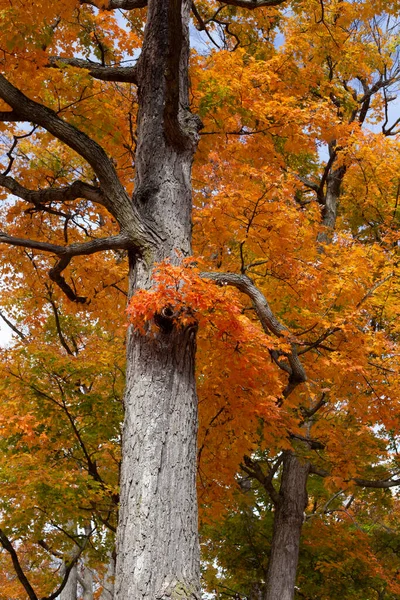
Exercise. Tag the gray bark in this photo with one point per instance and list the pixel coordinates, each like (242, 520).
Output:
(108, 580)
(86, 581)
(70, 591)
(157, 541)
(288, 522)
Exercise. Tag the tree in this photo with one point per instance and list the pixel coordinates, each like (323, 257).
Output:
(318, 46)
(159, 444)
(298, 379)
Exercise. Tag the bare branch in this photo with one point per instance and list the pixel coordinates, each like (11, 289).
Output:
(98, 71)
(12, 326)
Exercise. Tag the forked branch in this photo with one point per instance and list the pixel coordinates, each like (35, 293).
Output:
(66, 253)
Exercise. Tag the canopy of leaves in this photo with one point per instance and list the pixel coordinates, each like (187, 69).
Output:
(292, 98)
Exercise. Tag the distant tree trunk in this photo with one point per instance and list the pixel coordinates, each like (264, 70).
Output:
(108, 580)
(157, 543)
(288, 522)
(70, 591)
(86, 581)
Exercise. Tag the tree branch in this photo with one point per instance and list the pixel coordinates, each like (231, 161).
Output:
(77, 189)
(69, 566)
(91, 151)
(61, 337)
(66, 253)
(7, 545)
(12, 326)
(11, 116)
(269, 322)
(98, 71)
(252, 4)
(382, 484)
(116, 198)
(366, 483)
(110, 243)
(117, 4)
(253, 469)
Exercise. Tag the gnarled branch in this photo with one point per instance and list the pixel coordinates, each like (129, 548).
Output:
(77, 189)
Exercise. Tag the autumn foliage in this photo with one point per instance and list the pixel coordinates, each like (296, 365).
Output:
(295, 100)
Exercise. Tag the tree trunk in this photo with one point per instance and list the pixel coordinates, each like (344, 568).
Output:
(70, 591)
(157, 541)
(331, 201)
(86, 581)
(288, 522)
(107, 592)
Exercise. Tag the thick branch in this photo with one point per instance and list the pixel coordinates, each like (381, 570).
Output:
(97, 245)
(98, 71)
(269, 323)
(11, 116)
(33, 112)
(77, 189)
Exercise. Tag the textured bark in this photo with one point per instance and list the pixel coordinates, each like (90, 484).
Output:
(288, 522)
(331, 202)
(157, 541)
